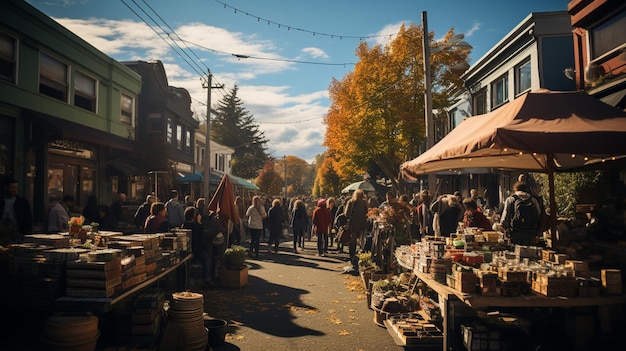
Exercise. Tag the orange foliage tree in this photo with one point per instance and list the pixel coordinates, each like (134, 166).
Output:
(377, 111)
(269, 181)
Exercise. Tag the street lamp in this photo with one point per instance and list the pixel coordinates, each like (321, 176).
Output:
(455, 41)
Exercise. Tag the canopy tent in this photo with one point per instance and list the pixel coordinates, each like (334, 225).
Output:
(541, 131)
(244, 183)
(366, 186)
(198, 177)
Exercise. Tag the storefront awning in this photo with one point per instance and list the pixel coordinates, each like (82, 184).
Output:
(123, 168)
(242, 182)
(198, 177)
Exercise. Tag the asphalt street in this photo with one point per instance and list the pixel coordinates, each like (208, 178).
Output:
(297, 301)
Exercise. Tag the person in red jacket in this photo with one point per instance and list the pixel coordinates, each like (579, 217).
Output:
(473, 217)
(321, 223)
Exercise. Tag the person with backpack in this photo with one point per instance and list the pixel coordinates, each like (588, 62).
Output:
(521, 215)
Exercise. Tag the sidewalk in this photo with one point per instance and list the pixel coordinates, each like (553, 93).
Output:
(297, 301)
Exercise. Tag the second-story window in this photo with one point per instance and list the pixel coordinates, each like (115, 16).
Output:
(179, 137)
(85, 90)
(522, 77)
(187, 140)
(127, 113)
(52, 77)
(480, 102)
(608, 36)
(8, 58)
(170, 130)
(500, 91)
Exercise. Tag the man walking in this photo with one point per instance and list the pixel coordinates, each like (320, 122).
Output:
(175, 210)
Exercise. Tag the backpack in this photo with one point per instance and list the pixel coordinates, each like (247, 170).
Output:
(525, 216)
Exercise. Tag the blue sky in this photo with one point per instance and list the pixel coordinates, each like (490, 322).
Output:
(295, 47)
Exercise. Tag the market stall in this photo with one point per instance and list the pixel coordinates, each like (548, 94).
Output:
(93, 273)
(540, 131)
(509, 283)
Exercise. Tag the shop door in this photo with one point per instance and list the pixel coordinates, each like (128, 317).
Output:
(70, 179)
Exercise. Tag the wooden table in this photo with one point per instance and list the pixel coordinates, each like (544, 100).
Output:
(449, 296)
(100, 305)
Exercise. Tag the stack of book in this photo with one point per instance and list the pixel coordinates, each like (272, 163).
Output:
(93, 279)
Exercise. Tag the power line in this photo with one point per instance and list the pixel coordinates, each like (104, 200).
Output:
(176, 34)
(159, 34)
(289, 27)
(242, 56)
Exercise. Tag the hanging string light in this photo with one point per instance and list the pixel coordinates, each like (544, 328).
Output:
(280, 25)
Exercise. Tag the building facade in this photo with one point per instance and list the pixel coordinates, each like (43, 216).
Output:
(166, 130)
(599, 31)
(67, 111)
(532, 56)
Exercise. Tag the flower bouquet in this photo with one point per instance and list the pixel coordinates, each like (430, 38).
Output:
(76, 228)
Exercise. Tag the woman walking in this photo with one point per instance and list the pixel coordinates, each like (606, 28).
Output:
(255, 215)
(299, 223)
(321, 223)
(275, 223)
(356, 212)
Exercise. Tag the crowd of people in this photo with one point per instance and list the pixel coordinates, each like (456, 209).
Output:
(263, 218)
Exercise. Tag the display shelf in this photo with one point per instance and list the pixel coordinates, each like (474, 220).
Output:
(102, 304)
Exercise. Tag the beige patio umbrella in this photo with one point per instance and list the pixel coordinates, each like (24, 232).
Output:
(541, 131)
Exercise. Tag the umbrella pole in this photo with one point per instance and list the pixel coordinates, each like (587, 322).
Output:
(553, 210)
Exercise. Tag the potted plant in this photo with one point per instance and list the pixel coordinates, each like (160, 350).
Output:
(76, 229)
(366, 267)
(234, 272)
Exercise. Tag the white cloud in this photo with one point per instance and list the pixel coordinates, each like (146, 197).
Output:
(274, 107)
(475, 28)
(315, 52)
(388, 32)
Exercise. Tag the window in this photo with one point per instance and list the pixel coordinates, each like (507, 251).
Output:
(8, 58)
(608, 36)
(127, 113)
(52, 77)
(170, 130)
(500, 91)
(187, 140)
(220, 162)
(179, 137)
(480, 102)
(522, 77)
(85, 91)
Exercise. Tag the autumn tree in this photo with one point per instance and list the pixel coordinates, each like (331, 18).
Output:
(299, 175)
(328, 182)
(234, 126)
(377, 111)
(269, 181)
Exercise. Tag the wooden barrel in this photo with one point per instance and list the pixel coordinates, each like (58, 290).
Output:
(71, 333)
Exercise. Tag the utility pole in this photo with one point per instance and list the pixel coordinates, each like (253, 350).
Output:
(207, 147)
(285, 166)
(428, 98)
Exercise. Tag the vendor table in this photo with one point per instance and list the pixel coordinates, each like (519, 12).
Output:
(449, 296)
(99, 305)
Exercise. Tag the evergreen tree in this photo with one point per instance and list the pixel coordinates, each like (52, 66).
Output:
(232, 125)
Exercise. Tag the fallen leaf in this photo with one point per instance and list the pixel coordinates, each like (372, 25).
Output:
(334, 320)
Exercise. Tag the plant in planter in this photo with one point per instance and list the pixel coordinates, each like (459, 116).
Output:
(366, 267)
(234, 272)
